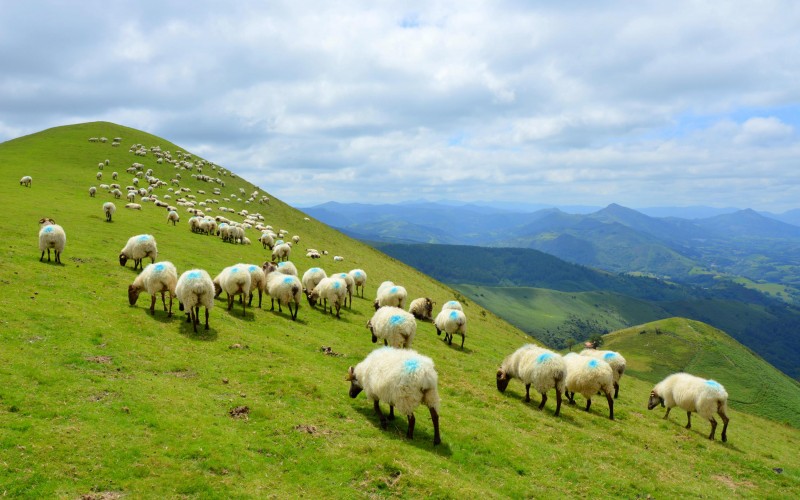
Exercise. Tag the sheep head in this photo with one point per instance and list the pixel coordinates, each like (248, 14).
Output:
(502, 380)
(355, 386)
(374, 337)
(133, 294)
(46, 221)
(123, 259)
(655, 400)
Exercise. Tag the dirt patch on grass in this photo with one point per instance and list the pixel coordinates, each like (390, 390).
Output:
(328, 351)
(730, 483)
(239, 412)
(185, 373)
(102, 495)
(103, 360)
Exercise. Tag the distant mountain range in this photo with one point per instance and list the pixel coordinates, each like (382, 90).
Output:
(761, 247)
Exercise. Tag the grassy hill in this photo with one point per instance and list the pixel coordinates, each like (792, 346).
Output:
(99, 399)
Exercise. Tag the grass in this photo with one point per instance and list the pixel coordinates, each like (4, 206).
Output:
(101, 399)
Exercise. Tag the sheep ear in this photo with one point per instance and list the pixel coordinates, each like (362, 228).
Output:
(351, 374)
(501, 375)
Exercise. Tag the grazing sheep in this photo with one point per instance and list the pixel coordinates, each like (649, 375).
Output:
(333, 290)
(614, 359)
(401, 378)
(451, 321)
(133, 206)
(452, 304)
(26, 181)
(350, 285)
(588, 376)
(338, 258)
(160, 277)
(693, 394)
(92, 191)
(258, 281)
(395, 326)
(422, 308)
(287, 268)
(234, 280)
(286, 289)
(172, 216)
(390, 294)
(296, 239)
(281, 252)
(267, 240)
(536, 366)
(137, 248)
(99, 175)
(359, 280)
(195, 288)
(109, 209)
(51, 235)
(311, 278)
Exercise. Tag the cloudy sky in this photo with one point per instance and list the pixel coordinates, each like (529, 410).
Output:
(639, 103)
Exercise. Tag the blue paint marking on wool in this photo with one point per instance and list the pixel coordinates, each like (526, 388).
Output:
(144, 237)
(281, 264)
(393, 290)
(287, 280)
(314, 270)
(234, 270)
(48, 229)
(544, 357)
(609, 355)
(453, 315)
(159, 267)
(410, 365)
(451, 303)
(713, 384)
(252, 268)
(194, 275)
(337, 284)
(593, 363)
(396, 319)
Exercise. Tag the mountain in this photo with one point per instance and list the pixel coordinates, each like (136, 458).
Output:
(101, 399)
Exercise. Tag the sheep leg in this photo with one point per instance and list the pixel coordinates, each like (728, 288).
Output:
(42, 257)
(381, 416)
(713, 427)
(169, 314)
(244, 306)
(616, 390)
(558, 402)
(610, 405)
(689, 420)
(259, 298)
(153, 304)
(272, 303)
(724, 426)
(58, 256)
(544, 400)
(666, 415)
(250, 301)
(462, 340)
(193, 316)
(198, 312)
(296, 310)
(230, 301)
(391, 412)
(411, 421)
(571, 397)
(337, 311)
(588, 403)
(164, 300)
(527, 393)
(435, 417)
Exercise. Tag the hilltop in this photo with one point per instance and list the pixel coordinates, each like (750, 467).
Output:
(102, 399)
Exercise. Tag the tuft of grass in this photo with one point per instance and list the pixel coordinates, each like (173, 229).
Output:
(101, 398)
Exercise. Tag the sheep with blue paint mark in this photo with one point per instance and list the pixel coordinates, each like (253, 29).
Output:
(390, 294)
(613, 358)
(281, 252)
(534, 366)
(258, 281)
(350, 285)
(234, 280)
(401, 378)
(311, 278)
(693, 394)
(422, 308)
(109, 209)
(51, 236)
(588, 376)
(395, 326)
(157, 278)
(451, 321)
(331, 291)
(287, 267)
(284, 288)
(452, 304)
(137, 248)
(194, 289)
(359, 280)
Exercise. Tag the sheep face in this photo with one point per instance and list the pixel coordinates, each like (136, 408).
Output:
(374, 337)
(355, 386)
(313, 297)
(123, 259)
(502, 380)
(655, 400)
(133, 294)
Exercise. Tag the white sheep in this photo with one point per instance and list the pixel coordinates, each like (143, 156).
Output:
(536, 366)
(311, 278)
(350, 285)
(333, 290)
(137, 248)
(395, 326)
(281, 252)
(296, 239)
(267, 240)
(92, 191)
(133, 206)
(51, 235)
(588, 376)
(26, 181)
(160, 277)
(284, 288)
(401, 378)
(614, 359)
(287, 268)
(172, 216)
(452, 304)
(693, 394)
(451, 321)
(359, 279)
(422, 308)
(390, 294)
(338, 258)
(99, 175)
(195, 288)
(109, 209)
(234, 280)
(258, 281)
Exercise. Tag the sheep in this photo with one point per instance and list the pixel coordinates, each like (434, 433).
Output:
(401, 378)
(137, 248)
(99, 175)
(333, 290)
(172, 216)
(109, 209)
(114, 175)
(286, 289)
(390, 294)
(588, 376)
(422, 308)
(395, 326)
(51, 235)
(350, 285)
(131, 196)
(281, 252)
(26, 181)
(234, 280)
(693, 394)
(452, 304)
(267, 240)
(338, 258)
(359, 280)
(160, 277)
(536, 366)
(133, 206)
(258, 281)
(311, 278)
(92, 191)
(451, 321)
(614, 359)
(195, 288)
(287, 268)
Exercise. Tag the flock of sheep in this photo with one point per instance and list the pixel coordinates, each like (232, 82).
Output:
(394, 374)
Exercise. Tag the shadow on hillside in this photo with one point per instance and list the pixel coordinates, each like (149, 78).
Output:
(186, 329)
(161, 315)
(549, 406)
(702, 432)
(52, 263)
(397, 428)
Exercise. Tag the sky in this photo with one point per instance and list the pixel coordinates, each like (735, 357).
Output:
(646, 103)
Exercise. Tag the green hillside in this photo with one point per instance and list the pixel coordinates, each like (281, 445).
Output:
(99, 399)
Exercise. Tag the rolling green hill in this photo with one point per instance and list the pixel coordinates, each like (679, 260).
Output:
(99, 399)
